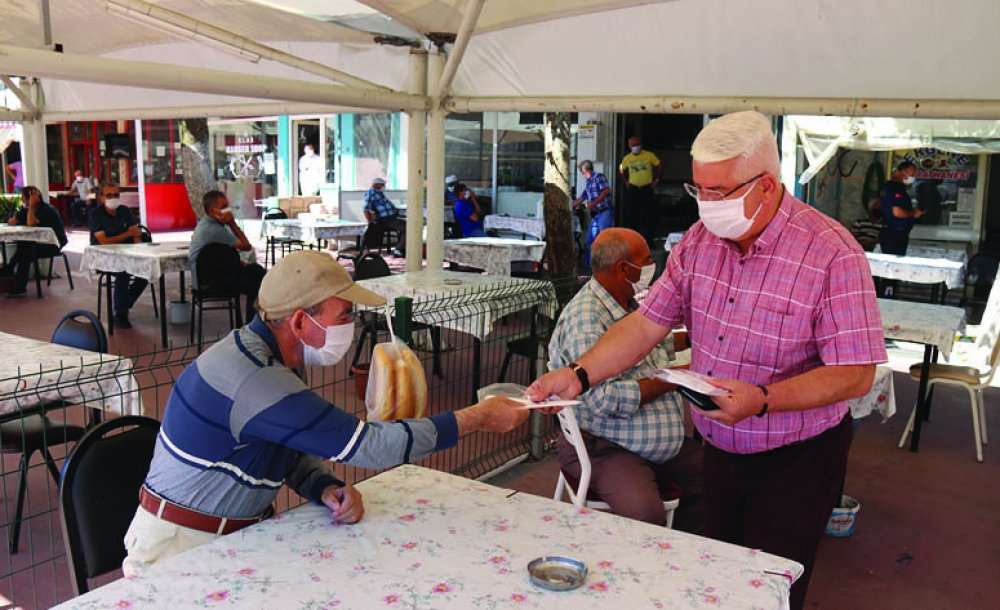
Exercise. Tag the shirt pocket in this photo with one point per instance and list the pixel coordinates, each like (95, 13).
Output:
(783, 334)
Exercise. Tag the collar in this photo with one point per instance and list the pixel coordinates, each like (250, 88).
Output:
(604, 298)
(772, 232)
(261, 329)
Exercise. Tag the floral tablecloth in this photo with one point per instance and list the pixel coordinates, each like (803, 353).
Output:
(881, 398)
(45, 372)
(933, 252)
(41, 235)
(431, 540)
(147, 260)
(917, 270)
(314, 230)
(534, 227)
(494, 254)
(466, 302)
(923, 323)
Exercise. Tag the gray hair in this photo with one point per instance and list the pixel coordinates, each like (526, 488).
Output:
(586, 165)
(745, 135)
(605, 254)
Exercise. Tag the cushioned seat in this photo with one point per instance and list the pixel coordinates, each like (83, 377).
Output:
(951, 372)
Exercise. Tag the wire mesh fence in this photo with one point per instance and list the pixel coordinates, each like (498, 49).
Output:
(466, 340)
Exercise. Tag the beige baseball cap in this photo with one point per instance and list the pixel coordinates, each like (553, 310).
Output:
(303, 279)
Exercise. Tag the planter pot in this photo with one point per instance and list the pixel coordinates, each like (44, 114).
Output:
(179, 312)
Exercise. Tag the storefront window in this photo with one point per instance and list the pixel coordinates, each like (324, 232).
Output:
(520, 154)
(332, 150)
(946, 185)
(372, 141)
(54, 150)
(161, 151)
(468, 150)
(244, 157)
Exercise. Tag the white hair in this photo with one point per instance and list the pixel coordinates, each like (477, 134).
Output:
(746, 135)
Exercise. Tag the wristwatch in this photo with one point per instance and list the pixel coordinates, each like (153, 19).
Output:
(763, 410)
(581, 374)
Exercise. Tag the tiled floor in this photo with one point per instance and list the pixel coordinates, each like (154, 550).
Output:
(927, 532)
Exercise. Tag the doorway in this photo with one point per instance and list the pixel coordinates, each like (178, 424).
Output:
(309, 158)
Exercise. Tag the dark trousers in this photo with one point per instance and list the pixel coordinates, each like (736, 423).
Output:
(24, 259)
(248, 284)
(127, 292)
(634, 487)
(892, 242)
(778, 501)
(377, 230)
(78, 211)
(640, 212)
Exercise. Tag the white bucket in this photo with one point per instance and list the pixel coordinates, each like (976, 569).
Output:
(843, 518)
(179, 312)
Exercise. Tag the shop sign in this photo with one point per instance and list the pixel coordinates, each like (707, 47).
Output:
(244, 145)
(934, 164)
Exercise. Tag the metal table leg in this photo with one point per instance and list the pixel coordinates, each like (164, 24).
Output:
(918, 421)
(108, 280)
(38, 274)
(163, 309)
(477, 365)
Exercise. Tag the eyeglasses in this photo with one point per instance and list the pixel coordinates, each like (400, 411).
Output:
(714, 195)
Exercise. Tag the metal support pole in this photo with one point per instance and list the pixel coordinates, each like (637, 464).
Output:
(34, 155)
(416, 160)
(537, 444)
(435, 167)
(402, 321)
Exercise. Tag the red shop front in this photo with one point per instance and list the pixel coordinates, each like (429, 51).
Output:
(168, 207)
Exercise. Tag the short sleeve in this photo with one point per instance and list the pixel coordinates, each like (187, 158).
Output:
(848, 326)
(654, 160)
(664, 304)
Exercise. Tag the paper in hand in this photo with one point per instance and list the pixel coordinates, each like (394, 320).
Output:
(553, 401)
(690, 379)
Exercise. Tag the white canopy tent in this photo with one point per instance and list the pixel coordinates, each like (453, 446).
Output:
(176, 58)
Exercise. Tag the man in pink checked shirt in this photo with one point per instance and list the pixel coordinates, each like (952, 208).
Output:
(781, 309)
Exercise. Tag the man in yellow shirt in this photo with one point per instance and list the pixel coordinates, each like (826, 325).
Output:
(641, 171)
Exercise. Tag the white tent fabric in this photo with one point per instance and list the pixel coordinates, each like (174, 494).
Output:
(768, 48)
(823, 136)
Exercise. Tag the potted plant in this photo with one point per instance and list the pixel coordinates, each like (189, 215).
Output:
(9, 204)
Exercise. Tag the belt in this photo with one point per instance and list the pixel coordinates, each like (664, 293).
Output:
(185, 517)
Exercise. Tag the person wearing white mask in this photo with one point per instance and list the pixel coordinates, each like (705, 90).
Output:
(240, 422)
(898, 214)
(218, 226)
(113, 223)
(310, 171)
(783, 317)
(633, 424)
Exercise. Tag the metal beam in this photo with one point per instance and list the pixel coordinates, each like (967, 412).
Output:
(469, 19)
(667, 104)
(183, 26)
(16, 116)
(26, 104)
(189, 112)
(200, 80)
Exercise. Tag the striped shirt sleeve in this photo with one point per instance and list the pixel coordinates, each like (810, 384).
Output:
(664, 304)
(848, 327)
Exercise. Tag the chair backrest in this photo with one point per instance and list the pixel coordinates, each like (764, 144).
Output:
(571, 430)
(369, 266)
(218, 267)
(275, 214)
(99, 493)
(88, 335)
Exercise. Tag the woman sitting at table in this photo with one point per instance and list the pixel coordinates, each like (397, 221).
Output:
(467, 213)
(34, 213)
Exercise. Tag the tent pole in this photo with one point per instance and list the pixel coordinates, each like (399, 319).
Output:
(435, 167)
(666, 104)
(416, 159)
(151, 75)
(26, 104)
(33, 151)
(472, 10)
(15, 116)
(185, 27)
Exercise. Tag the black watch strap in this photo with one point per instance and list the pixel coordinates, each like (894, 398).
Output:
(581, 374)
(763, 410)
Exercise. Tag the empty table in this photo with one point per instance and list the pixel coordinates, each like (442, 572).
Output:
(918, 270)
(494, 254)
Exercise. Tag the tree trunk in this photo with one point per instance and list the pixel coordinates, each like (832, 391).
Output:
(560, 250)
(198, 178)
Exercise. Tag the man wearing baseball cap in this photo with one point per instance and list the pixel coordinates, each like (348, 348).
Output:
(382, 215)
(240, 423)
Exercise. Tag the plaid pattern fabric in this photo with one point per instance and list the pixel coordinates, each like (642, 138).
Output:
(611, 410)
(376, 201)
(801, 298)
(592, 190)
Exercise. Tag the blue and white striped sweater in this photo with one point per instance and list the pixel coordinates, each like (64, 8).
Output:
(238, 424)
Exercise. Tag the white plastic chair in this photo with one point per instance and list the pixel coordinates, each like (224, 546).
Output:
(972, 378)
(571, 430)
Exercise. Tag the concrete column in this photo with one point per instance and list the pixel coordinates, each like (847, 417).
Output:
(435, 166)
(415, 160)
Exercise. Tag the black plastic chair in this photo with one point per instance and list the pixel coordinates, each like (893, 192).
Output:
(35, 432)
(371, 266)
(364, 246)
(218, 267)
(52, 266)
(286, 244)
(528, 347)
(105, 282)
(99, 494)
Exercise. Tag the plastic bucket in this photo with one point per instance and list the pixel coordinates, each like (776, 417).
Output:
(844, 518)
(179, 312)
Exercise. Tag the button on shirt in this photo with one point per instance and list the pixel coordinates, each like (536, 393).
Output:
(612, 410)
(376, 201)
(593, 189)
(801, 298)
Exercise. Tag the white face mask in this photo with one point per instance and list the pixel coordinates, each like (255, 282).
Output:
(636, 150)
(909, 180)
(113, 203)
(725, 217)
(645, 276)
(338, 341)
(226, 210)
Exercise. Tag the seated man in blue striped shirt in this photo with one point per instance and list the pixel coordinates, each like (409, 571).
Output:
(240, 423)
(632, 425)
(382, 215)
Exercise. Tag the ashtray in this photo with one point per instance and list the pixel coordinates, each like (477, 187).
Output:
(557, 573)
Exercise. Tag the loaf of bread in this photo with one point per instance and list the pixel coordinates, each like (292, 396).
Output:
(397, 387)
